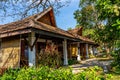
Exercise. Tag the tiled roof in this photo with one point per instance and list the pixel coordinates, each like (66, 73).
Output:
(84, 39)
(20, 24)
(14, 26)
(75, 30)
(31, 22)
(49, 28)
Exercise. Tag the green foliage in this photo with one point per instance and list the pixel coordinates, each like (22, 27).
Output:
(69, 28)
(72, 61)
(42, 73)
(51, 59)
(95, 73)
(89, 32)
(46, 73)
(86, 15)
(103, 17)
(2, 70)
(116, 55)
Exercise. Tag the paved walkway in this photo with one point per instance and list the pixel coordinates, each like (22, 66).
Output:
(89, 63)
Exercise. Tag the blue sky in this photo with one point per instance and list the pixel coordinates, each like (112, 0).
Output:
(64, 20)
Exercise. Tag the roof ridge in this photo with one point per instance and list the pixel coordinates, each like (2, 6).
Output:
(75, 28)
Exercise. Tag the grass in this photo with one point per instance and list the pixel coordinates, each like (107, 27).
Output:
(116, 74)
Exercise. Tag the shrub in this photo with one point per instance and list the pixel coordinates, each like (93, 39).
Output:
(10, 74)
(42, 73)
(46, 73)
(72, 61)
(116, 62)
(93, 73)
(91, 56)
(51, 59)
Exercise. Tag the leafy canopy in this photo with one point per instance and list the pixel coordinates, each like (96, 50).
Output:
(103, 17)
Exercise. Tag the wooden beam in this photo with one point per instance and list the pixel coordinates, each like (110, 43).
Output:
(31, 45)
(41, 32)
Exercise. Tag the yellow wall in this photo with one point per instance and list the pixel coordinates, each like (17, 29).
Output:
(74, 50)
(9, 53)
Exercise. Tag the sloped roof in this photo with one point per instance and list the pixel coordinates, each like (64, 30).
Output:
(39, 15)
(31, 22)
(49, 28)
(75, 30)
(84, 39)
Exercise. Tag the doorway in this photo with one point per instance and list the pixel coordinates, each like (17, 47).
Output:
(24, 54)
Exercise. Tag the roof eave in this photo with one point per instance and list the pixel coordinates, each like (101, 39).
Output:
(14, 33)
(43, 32)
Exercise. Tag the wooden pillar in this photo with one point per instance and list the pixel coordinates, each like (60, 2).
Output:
(70, 52)
(87, 52)
(20, 51)
(32, 52)
(91, 50)
(94, 50)
(0, 48)
(0, 43)
(65, 52)
(78, 56)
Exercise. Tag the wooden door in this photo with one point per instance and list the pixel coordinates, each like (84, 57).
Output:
(24, 54)
(82, 51)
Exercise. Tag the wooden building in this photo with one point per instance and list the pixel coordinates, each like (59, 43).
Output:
(84, 49)
(21, 41)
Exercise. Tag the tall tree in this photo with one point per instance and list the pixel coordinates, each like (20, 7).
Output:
(103, 17)
(109, 12)
(86, 15)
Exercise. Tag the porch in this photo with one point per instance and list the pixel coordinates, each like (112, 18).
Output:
(38, 46)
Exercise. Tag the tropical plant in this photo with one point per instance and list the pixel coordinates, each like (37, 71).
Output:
(46, 73)
(51, 59)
